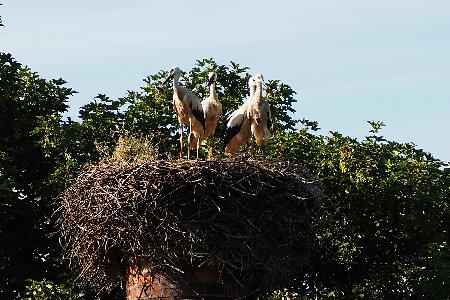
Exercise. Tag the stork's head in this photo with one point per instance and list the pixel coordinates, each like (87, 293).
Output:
(251, 82)
(173, 72)
(212, 77)
(259, 79)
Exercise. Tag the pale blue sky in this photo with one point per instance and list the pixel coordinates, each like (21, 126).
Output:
(349, 60)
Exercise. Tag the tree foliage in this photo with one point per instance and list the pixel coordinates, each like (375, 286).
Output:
(25, 192)
(386, 233)
(383, 233)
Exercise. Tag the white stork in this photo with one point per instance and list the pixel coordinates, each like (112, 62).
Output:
(188, 108)
(238, 126)
(212, 109)
(258, 113)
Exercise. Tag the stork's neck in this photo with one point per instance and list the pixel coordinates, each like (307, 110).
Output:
(175, 82)
(258, 93)
(252, 90)
(212, 90)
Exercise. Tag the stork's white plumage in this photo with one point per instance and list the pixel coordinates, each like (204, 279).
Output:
(212, 109)
(188, 108)
(238, 126)
(259, 115)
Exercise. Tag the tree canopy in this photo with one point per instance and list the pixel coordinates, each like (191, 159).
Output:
(384, 228)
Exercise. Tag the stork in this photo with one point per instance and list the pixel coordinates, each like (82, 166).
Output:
(259, 115)
(188, 108)
(238, 126)
(212, 109)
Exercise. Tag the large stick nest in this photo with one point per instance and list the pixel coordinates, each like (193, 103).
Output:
(250, 220)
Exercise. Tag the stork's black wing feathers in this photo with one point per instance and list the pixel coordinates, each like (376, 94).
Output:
(269, 121)
(230, 132)
(269, 118)
(198, 114)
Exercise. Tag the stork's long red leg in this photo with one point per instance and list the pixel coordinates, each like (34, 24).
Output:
(181, 141)
(189, 139)
(198, 145)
